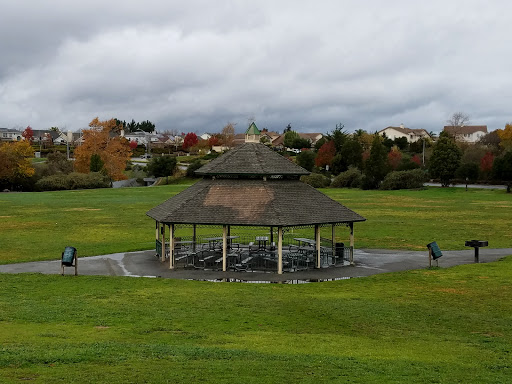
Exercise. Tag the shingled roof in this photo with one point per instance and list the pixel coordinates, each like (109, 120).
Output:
(252, 202)
(253, 159)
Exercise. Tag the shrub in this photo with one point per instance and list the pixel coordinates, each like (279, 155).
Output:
(348, 179)
(73, 180)
(193, 167)
(404, 179)
(316, 180)
(306, 159)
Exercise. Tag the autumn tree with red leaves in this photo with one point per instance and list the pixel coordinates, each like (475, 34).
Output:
(325, 154)
(28, 134)
(486, 163)
(133, 144)
(394, 158)
(190, 140)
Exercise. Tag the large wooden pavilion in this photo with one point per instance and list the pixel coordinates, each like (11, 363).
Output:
(251, 186)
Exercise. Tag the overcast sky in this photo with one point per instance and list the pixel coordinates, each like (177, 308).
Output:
(196, 65)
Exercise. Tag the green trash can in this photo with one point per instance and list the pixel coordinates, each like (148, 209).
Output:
(436, 251)
(68, 256)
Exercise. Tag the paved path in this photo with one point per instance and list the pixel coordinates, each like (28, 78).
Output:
(482, 186)
(367, 262)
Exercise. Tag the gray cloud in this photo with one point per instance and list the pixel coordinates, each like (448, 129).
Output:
(195, 65)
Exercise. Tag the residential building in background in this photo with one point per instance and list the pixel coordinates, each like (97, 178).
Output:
(467, 133)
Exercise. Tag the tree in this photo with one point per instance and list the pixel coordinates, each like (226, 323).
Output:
(146, 126)
(289, 138)
(214, 141)
(325, 154)
(467, 172)
(491, 141)
(162, 166)
(28, 134)
(96, 164)
(445, 159)
(338, 136)
(351, 155)
(133, 144)
(394, 158)
(228, 135)
(288, 128)
(502, 169)
(505, 136)
(58, 163)
(376, 167)
(306, 159)
(102, 140)
(458, 119)
(190, 140)
(486, 164)
(15, 163)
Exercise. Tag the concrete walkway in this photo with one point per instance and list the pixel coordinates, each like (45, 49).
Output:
(367, 262)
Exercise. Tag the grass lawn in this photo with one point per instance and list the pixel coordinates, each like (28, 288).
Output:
(425, 326)
(37, 226)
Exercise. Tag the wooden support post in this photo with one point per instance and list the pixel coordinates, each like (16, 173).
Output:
(171, 246)
(224, 247)
(76, 263)
(351, 225)
(280, 250)
(162, 256)
(194, 238)
(317, 240)
(333, 243)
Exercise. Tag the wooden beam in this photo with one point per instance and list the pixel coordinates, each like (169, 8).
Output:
(171, 246)
(162, 229)
(351, 225)
(280, 250)
(194, 238)
(224, 247)
(317, 240)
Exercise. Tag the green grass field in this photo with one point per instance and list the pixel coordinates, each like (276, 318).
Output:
(425, 326)
(37, 226)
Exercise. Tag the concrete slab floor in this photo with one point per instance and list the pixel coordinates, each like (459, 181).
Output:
(367, 262)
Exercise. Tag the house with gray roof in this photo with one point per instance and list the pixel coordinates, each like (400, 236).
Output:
(466, 133)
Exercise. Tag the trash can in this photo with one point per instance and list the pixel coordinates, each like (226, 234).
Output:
(339, 249)
(436, 251)
(68, 256)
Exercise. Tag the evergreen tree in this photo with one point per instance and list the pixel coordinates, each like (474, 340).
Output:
(445, 159)
(376, 167)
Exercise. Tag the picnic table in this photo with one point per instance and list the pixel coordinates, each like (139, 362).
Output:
(215, 243)
(305, 242)
(262, 241)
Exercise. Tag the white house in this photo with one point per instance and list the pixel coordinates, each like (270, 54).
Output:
(467, 133)
(8, 134)
(412, 135)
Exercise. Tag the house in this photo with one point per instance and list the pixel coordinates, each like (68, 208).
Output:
(141, 137)
(467, 133)
(278, 142)
(412, 135)
(8, 134)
